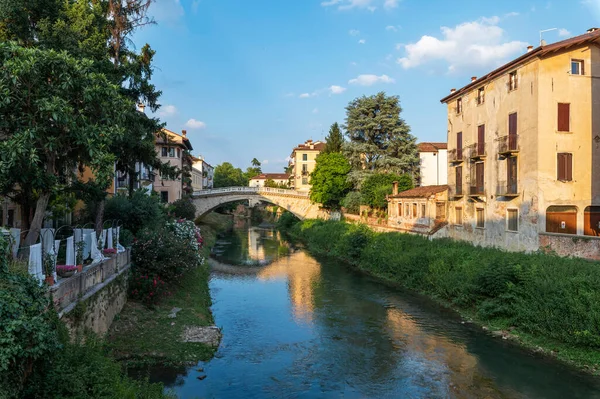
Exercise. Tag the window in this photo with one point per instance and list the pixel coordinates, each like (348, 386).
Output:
(178, 153)
(164, 152)
(406, 210)
(564, 166)
(304, 169)
(400, 209)
(512, 81)
(512, 220)
(459, 146)
(564, 115)
(458, 216)
(164, 196)
(423, 211)
(512, 123)
(458, 105)
(414, 213)
(480, 96)
(440, 210)
(480, 218)
(172, 152)
(305, 157)
(458, 178)
(577, 67)
(304, 181)
(561, 219)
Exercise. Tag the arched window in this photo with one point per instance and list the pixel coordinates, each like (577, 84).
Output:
(591, 221)
(561, 219)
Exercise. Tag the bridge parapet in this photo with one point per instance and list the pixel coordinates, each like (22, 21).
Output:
(249, 190)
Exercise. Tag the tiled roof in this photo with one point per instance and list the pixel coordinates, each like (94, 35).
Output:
(540, 51)
(174, 138)
(420, 192)
(317, 146)
(432, 147)
(274, 176)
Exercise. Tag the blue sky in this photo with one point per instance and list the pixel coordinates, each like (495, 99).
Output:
(254, 78)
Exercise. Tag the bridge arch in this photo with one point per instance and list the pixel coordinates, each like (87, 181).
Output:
(293, 201)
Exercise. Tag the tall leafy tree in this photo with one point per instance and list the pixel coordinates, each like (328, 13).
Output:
(334, 140)
(380, 140)
(226, 175)
(329, 180)
(55, 114)
(377, 186)
(253, 170)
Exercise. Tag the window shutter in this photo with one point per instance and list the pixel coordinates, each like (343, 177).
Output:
(563, 117)
(512, 123)
(568, 167)
(560, 167)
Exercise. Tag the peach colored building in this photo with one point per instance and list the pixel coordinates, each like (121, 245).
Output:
(303, 158)
(174, 150)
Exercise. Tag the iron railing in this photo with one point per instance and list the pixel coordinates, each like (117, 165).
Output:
(506, 189)
(508, 144)
(477, 150)
(456, 155)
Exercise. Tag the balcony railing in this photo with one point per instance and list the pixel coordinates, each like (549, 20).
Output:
(476, 191)
(507, 189)
(508, 144)
(455, 191)
(456, 155)
(477, 150)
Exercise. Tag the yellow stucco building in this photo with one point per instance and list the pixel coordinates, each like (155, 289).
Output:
(524, 149)
(303, 158)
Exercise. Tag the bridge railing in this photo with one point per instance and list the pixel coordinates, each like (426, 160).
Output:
(269, 190)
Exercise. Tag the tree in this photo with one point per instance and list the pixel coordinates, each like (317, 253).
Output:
(375, 188)
(380, 140)
(56, 113)
(273, 184)
(253, 170)
(226, 175)
(329, 180)
(334, 140)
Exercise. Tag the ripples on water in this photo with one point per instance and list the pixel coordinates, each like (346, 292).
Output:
(299, 328)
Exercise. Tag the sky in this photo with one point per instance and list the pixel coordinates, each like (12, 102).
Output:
(254, 78)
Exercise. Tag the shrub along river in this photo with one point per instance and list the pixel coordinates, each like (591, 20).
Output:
(297, 327)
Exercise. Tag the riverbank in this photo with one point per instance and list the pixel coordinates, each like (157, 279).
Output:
(546, 303)
(141, 336)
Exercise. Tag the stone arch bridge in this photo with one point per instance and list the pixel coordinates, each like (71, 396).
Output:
(295, 202)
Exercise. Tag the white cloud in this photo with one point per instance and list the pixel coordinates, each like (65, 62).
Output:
(168, 11)
(167, 110)
(391, 28)
(336, 89)
(476, 44)
(265, 162)
(195, 5)
(305, 95)
(563, 32)
(288, 95)
(391, 3)
(353, 32)
(362, 41)
(315, 111)
(369, 80)
(511, 14)
(195, 124)
(353, 63)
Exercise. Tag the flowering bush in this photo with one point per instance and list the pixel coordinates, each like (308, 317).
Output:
(187, 230)
(165, 253)
(65, 268)
(109, 251)
(147, 289)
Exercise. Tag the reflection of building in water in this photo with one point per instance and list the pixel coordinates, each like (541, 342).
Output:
(302, 272)
(256, 249)
(433, 352)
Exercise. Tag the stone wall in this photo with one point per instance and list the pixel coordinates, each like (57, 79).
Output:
(90, 300)
(571, 245)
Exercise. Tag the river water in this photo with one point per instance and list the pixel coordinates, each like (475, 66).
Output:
(301, 328)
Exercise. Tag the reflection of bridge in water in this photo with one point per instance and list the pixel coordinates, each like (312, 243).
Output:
(296, 202)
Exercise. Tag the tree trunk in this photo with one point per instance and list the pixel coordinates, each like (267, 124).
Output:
(38, 218)
(100, 217)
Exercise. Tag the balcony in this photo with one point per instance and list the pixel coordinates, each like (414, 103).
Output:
(477, 151)
(476, 191)
(455, 191)
(455, 156)
(508, 145)
(507, 189)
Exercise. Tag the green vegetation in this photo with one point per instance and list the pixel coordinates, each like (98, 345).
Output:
(334, 140)
(228, 176)
(137, 211)
(329, 182)
(377, 186)
(183, 208)
(543, 300)
(352, 202)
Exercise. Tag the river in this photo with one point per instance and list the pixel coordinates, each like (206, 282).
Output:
(295, 327)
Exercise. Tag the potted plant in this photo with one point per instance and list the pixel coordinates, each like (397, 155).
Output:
(79, 257)
(109, 251)
(48, 263)
(66, 271)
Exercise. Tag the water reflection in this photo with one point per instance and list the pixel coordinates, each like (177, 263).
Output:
(301, 328)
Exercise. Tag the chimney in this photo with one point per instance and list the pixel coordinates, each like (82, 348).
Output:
(529, 48)
(452, 91)
(592, 30)
(184, 133)
(395, 188)
(141, 107)
(473, 78)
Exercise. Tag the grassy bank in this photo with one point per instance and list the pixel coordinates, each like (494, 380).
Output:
(143, 336)
(544, 302)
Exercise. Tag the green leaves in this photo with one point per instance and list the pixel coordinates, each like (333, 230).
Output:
(329, 180)
(228, 176)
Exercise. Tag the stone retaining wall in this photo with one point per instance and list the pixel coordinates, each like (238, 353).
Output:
(571, 245)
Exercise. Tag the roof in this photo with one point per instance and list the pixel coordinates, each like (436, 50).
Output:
(541, 51)
(273, 176)
(316, 146)
(420, 192)
(432, 147)
(174, 138)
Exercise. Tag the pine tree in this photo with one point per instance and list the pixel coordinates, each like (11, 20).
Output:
(334, 139)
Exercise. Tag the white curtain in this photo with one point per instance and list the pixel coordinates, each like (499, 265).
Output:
(55, 253)
(16, 241)
(71, 251)
(94, 251)
(47, 240)
(35, 262)
(87, 238)
(109, 239)
(120, 248)
(104, 234)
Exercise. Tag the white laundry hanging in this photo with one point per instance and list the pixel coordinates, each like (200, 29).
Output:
(35, 262)
(95, 253)
(87, 238)
(16, 240)
(120, 248)
(47, 240)
(109, 238)
(104, 234)
(70, 251)
(55, 255)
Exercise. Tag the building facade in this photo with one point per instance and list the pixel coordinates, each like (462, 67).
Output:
(173, 148)
(433, 164)
(281, 179)
(303, 159)
(524, 148)
(421, 210)
(202, 174)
